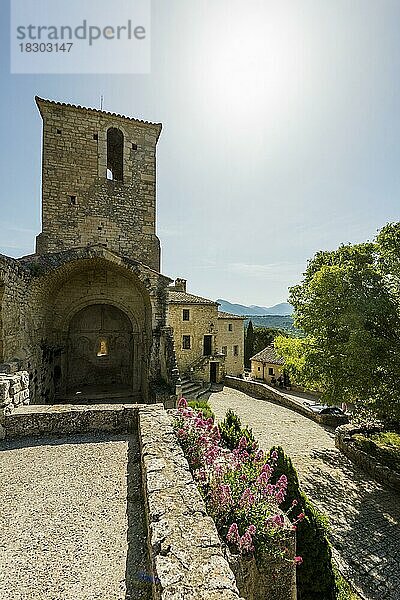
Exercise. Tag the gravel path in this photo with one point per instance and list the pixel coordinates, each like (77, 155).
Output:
(364, 516)
(64, 519)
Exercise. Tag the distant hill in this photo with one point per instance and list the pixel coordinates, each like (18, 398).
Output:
(284, 322)
(282, 309)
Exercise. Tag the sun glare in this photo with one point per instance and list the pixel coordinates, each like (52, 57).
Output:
(255, 64)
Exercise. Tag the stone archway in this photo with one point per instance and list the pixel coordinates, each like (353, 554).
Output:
(101, 354)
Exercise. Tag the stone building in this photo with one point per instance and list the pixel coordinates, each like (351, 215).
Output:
(89, 315)
(208, 344)
(86, 314)
(266, 365)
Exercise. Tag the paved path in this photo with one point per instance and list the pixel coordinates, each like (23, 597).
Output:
(364, 516)
(67, 531)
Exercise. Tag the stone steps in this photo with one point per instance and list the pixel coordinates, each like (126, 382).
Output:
(190, 389)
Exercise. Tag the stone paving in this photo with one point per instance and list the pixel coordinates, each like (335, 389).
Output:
(364, 517)
(71, 519)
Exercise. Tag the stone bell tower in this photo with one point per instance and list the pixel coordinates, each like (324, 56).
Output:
(98, 182)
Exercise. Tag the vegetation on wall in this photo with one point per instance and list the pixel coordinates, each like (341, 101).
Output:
(237, 487)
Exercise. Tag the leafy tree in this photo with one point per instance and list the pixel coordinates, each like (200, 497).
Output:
(264, 336)
(348, 305)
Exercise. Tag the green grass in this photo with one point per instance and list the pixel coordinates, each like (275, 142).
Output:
(344, 591)
(203, 406)
(385, 446)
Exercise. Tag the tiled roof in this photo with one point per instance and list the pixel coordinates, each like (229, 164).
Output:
(268, 355)
(96, 110)
(230, 316)
(185, 298)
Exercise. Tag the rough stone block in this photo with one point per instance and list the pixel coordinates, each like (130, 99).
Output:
(15, 388)
(9, 368)
(24, 380)
(4, 390)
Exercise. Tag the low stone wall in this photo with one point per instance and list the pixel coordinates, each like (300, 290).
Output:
(68, 419)
(266, 578)
(266, 392)
(187, 559)
(14, 392)
(186, 553)
(369, 464)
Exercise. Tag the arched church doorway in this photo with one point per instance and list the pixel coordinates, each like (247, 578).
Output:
(102, 359)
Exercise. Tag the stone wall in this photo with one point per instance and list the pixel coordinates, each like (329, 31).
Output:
(184, 547)
(186, 555)
(369, 464)
(40, 295)
(14, 392)
(201, 317)
(79, 205)
(266, 392)
(267, 578)
(234, 365)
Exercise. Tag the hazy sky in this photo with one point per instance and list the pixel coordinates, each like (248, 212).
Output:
(281, 136)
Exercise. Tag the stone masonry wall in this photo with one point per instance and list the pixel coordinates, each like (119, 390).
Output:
(186, 555)
(234, 365)
(367, 462)
(79, 205)
(14, 392)
(266, 392)
(201, 316)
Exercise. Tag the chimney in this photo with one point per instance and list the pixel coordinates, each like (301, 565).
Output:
(180, 285)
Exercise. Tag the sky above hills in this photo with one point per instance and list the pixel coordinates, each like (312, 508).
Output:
(281, 136)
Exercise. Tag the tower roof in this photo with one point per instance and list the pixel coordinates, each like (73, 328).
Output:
(43, 101)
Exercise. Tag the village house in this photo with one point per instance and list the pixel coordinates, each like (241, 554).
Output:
(208, 344)
(266, 365)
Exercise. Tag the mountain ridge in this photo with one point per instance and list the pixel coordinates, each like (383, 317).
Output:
(281, 309)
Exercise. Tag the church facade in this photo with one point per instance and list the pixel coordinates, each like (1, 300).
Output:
(87, 314)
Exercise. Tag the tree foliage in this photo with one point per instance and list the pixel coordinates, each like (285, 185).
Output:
(248, 345)
(348, 305)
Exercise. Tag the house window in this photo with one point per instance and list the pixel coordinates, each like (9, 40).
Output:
(115, 154)
(235, 350)
(102, 348)
(186, 314)
(225, 350)
(73, 200)
(186, 342)
(271, 371)
(230, 327)
(258, 368)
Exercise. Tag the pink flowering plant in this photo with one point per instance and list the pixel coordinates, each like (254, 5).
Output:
(236, 486)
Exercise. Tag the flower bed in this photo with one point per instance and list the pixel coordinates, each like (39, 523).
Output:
(240, 496)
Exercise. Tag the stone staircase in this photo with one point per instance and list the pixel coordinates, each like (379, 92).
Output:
(190, 389)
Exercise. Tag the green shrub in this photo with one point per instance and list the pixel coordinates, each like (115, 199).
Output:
(315, 577)
(203, 406)
(231, 431)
